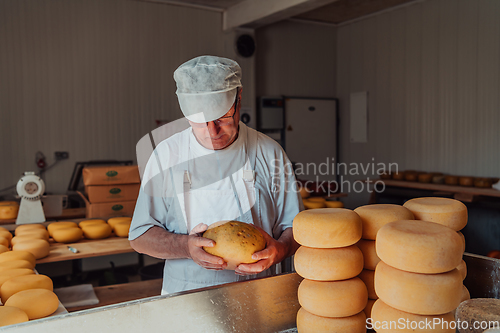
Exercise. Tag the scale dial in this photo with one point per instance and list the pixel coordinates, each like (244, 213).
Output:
(31, 187)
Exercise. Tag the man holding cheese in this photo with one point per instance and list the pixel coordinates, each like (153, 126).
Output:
(217, 169)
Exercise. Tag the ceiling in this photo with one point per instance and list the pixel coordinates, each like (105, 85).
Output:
(324, 11)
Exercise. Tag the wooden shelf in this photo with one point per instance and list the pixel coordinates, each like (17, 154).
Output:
(87, 249)
(462, 193)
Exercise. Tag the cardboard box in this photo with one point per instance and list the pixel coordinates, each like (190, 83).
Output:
(112, 193)
(108, 209)
(111, 174)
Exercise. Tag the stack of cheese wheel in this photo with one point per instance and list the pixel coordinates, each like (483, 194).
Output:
(448, 212)
(95, 229)
(120, 225)
(65, 232)
(417, 280)
(5, 239)
(331, 296)
(25, 295)
(33, 238)
(373, 218)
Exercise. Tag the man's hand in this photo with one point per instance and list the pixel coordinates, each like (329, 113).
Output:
(195, 248)
(275, 252)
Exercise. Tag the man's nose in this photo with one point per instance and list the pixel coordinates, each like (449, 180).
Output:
(213, 129)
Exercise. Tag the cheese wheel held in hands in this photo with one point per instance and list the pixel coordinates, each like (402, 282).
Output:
(376, 216)
(327, 228)
(419, 246)
(449, 212)
(328, 264)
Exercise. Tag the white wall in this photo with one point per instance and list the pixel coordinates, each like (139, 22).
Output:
(432, 70)
(91, 77)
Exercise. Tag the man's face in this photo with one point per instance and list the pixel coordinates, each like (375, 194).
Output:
(220, 133)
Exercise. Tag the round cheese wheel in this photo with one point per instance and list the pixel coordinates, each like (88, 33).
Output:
(67, 235)
(9, 212)
(462, 237)
(313, 205)
(14, 272)
(10, 315)
(376, 216)
(114, 220)
(328, 264)
(327, 228)
(121, 229)
(368, 308)
(304, 193)
(16, 255)
(37, 303)
(19, 263)
(25, 237)
(386, 319)
(425, 294)
(419, 246)
(368, 277)
(317, 199)
(97, 231)
(370, 256)
(40, 248)
(91, 222)
(451, 180)
(334, 204)
(462, 268)
(309, 323)
(28, 227)
(62, 224)
(3, 248)
(449, 212)
(333, 298)
(35, 233)
(6, 234)
(25, 282)
(465, 294)
(5, 242)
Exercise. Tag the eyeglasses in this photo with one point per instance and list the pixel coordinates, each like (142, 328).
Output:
(222, 121)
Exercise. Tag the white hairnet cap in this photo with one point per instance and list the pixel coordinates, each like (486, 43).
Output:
(206, 87)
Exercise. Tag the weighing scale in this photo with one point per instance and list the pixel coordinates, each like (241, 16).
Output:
(30, 188)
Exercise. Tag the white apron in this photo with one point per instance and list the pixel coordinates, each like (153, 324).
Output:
(210, 206)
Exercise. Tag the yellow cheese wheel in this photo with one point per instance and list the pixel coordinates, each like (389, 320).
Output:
(419, 246)
(449, 212)
(376, 216)
(3, 248)
(62, 224)
(465, 294)
(334, 204)
(386, 319)
(462, 268)
(5, 242)
(368, 308)
(91, 222)
(40, 248)
(370, 256)
(333, 298)
(26, 237)
(9, 212)
(317, 199)
(313, 205)
(114, 220)
(8, 203)
(121, 229)
(10, 315)
(4, 229)
(327, 228)
(304, 193)
(368, 276)
(12, 273)
(35, 233)
(67, 235)
(28, 227)
(97, 231)
(328, 264)
(6, 234)
(425, 294)
(19, 263)
(16, 255)
(37, 303)
(309, 323)
(462, 237)
(25, 282)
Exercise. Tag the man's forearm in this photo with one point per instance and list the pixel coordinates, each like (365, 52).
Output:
(291, 245)
(159, 243)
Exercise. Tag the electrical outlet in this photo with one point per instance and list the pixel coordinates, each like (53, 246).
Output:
(61, 155)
